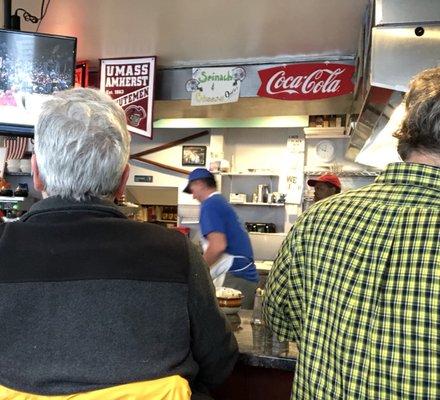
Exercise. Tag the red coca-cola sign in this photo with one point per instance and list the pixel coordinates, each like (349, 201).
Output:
(306, 81)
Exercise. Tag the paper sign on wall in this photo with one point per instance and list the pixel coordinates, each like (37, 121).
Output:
(295, 172)
(217, 85)
(130, 82)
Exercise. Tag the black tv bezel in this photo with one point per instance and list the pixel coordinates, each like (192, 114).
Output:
(7, 129)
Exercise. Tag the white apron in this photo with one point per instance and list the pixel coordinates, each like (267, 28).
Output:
(222, 266)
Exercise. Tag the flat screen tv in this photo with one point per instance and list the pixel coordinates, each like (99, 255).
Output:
(32, 67)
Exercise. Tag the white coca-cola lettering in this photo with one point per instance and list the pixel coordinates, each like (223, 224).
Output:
(314, 83)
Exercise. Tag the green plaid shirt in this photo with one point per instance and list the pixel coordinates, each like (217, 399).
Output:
(357, 285)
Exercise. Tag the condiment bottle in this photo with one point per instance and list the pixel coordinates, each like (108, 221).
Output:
(257, 314)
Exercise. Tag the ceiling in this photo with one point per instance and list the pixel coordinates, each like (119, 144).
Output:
(183, 33)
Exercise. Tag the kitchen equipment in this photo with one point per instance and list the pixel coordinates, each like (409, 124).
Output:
(405, 33)
(237, 197)
(22, 190)
(262, 193)
(249, 226)
(262, 227)
(275, 197)
(266, 247)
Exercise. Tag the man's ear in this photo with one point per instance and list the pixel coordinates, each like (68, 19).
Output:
(123, 182)
(38, 183)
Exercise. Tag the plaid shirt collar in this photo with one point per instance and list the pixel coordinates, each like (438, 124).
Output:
(411, 174)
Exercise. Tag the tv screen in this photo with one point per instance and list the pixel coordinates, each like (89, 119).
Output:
(32, 67)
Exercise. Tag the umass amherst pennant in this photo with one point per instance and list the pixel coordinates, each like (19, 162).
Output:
(306, 81)
(130, 82)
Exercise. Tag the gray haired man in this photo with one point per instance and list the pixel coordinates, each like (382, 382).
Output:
(91, 301)
(357, 281)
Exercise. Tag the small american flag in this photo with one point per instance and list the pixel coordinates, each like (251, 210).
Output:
(16, 147)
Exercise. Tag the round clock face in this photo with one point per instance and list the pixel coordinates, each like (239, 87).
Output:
(325, 150)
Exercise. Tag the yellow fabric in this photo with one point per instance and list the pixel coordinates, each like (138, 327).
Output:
(170, 388)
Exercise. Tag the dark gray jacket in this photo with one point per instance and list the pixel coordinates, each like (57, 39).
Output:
(90, 299)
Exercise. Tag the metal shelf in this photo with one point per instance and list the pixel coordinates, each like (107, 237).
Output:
(325, 133)
(248, 174)
(18, 174)
(360, 173)
(7, 199)
(188, 221)
(258, 204)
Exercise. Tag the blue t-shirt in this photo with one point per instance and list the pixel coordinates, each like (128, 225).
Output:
(217, 215)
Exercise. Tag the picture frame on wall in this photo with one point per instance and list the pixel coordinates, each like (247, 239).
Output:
(82, 74)
(194, 155)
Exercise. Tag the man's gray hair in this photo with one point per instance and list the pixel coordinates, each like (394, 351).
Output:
(81, 144)
(420, 129)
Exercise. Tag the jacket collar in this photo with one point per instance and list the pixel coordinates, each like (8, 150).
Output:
(57, 204)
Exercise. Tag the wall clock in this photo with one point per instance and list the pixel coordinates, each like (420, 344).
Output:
(325, 150)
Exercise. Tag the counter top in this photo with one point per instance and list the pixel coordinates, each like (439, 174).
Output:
(263, 265)
(258, 347)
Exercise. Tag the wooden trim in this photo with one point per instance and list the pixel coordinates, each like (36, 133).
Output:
(164, 166)
(250, 107)
(170, 144)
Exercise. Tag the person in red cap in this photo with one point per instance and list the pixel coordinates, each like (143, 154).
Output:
(325, 186)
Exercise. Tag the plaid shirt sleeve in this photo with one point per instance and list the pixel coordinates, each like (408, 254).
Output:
(283, 303)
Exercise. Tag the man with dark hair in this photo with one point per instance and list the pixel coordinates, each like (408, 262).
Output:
(226, 244)
(357, 281)
(325, 186)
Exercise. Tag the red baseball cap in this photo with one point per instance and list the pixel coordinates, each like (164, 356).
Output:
(328, 178)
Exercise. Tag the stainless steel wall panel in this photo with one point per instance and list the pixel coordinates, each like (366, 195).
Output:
(406, 11)
(398, 54)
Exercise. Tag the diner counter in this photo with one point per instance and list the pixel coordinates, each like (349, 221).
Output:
(265, 368)
(258, 346)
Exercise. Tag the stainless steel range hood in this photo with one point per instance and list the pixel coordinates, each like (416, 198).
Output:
(404, 41)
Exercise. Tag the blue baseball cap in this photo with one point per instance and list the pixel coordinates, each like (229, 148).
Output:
(198, 173)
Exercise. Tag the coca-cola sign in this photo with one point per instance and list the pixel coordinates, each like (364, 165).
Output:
(306, 81)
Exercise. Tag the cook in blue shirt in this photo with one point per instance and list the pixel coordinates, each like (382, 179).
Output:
(227, 248)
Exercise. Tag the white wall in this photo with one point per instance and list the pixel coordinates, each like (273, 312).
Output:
(262, 149)
(171, 156)
(265, 150)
